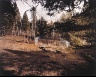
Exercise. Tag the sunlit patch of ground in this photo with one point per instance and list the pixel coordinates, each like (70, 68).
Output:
(16, 43)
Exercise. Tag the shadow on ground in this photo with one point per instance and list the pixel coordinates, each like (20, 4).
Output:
(40, 63)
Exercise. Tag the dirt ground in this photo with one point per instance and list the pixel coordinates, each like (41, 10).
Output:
(22, 59)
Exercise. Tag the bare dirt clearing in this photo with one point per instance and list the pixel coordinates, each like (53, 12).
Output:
(16, 43)
(22, 59)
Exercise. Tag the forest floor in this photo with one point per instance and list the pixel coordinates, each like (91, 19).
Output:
(22, 59)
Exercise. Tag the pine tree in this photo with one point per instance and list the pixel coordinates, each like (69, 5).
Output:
(7, 16)
(42, 27)
(25, 23)
(17, 19)
(26, 27)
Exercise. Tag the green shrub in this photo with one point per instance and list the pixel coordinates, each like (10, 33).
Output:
(75, 41)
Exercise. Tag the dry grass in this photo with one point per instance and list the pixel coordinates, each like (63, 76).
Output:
(23, 59)
(16, 43)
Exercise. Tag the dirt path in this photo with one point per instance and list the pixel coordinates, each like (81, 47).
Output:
(22, 59)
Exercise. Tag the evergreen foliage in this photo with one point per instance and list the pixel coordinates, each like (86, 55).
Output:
(25, 23)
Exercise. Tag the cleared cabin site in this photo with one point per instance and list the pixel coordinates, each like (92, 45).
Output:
(23, 59)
